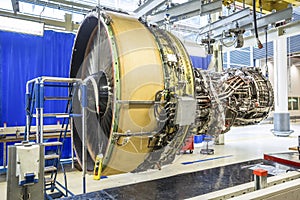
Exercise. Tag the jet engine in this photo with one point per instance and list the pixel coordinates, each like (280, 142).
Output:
(145, 98)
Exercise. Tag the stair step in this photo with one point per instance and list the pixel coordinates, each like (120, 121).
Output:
(49, 180)
(51, 156)
(50, 169)
(57, 98)
(55, 195)
(53, 130)
(57, 115)
(48, 144)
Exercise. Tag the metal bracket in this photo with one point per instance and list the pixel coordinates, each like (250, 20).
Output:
(185, 110)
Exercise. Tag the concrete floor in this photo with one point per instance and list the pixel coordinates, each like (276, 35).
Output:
(241, 144)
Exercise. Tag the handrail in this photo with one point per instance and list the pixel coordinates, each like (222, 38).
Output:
(35, 99)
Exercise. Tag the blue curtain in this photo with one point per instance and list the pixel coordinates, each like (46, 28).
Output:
(201, 62)
(24, 57)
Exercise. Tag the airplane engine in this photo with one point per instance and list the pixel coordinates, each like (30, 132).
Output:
(145, 98)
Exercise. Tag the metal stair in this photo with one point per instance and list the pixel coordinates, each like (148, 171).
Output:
(51, 156)
(35, 98)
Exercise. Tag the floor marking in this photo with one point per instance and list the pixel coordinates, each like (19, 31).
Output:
(208, 159)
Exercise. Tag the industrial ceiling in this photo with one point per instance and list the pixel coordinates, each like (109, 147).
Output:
(44, 10)
(269, 5)
(191, 20)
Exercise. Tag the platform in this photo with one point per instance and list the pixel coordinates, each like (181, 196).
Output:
(288, 158)
(181, 186)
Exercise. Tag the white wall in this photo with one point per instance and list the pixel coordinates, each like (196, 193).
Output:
(293, 78)
(293, 85)
(294, 89)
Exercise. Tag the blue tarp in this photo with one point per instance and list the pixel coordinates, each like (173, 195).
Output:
(24, 57)
(201, 62)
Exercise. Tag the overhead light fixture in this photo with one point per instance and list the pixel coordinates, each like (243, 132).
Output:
(21, 26)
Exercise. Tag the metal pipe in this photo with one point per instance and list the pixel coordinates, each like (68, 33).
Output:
(56, 85)
(267, 70)
(4, 154)
(41, 99)
(59, 79)
(27, 134)
(72, 142)
(27, 117)
(29, 82)
(37, 108)
(84, 129)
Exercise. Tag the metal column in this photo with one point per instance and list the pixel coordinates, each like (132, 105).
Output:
(281, 114)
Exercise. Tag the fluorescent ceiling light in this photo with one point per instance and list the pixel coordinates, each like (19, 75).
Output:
(21, 26)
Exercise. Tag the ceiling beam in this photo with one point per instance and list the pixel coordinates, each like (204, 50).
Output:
(62, 25)
(268, 5)
(225, 22)
(74, 4)
(240, 5)
(272, 18)
(187, 10)
(61, 5)
(288, 30)
(147, 7)
(243, 18)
